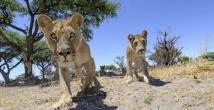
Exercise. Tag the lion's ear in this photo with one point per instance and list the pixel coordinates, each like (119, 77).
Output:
(76, 20)
(45, 23)
(144, 34)
(131, 38)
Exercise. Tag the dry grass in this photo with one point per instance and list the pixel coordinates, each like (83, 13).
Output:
(197, 69)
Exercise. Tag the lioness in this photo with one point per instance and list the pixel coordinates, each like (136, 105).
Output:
(70, 50)
(135, 56)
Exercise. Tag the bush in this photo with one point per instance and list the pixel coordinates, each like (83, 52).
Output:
(184, 59)
(20, 77)
(208, 56)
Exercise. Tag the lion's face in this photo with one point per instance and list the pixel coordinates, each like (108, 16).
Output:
(62, 36)
(138, 42)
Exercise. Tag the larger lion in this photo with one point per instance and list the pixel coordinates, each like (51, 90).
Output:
(70, 50)
(135, 56)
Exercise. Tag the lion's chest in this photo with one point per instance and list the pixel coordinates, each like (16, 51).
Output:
(70, 64)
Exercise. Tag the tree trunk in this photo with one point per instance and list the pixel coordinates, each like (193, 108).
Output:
(6, 78)
(123, 71)
(28, 58)
(43, 73)
(28, 66)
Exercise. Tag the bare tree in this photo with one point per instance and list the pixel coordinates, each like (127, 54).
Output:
(165, 51)
(120, 61)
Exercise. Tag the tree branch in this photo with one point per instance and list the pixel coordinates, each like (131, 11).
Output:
(2, 72)
(2, 65)
(16, 64)
(6, 64)
(31, 24)
(31, 16)
(39, 37)
(17, 28)
(36, 11)
(28, 7)
(36, 28)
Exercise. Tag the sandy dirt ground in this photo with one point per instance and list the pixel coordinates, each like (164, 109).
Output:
(177, 93)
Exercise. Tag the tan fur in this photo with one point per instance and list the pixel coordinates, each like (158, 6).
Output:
(135, 56)
(70, 51)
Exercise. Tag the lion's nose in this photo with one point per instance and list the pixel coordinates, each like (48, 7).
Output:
(64, 52)
(141, 51)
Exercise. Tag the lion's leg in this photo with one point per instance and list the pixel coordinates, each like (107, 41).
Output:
(78, 72)
(136, 74)
(96, 82)
(145, 72)
(65, 99)
(129, 75)
(90, 71)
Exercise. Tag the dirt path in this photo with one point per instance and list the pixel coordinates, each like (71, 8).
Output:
(178, 94)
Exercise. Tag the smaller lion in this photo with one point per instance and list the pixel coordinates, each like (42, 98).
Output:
(135, 56)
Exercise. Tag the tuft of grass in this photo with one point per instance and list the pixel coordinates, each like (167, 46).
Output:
(148, 100)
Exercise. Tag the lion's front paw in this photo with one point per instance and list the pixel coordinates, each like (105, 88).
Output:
(125, 77)
(146, 79)
(129, 79)
(62, 103)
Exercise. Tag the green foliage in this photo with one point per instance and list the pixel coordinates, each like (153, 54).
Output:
(13, 37)
(208, 56)
(13, 5)
(20, 77)
(94, 11)
(43, 57)
(44, 54)
(7, 51)
(111, 67)
(184, 58)
(8, 10)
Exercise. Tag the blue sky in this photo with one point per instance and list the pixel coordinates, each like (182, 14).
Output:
(192, 20)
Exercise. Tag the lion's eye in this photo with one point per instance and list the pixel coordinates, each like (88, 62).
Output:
(143, 42)
(135, 44)
(53, 36)
(72, 35)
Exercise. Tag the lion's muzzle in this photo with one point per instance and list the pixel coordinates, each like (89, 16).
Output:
(63, 50)
(141, 51)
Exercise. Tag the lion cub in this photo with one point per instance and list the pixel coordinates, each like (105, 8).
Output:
(70, 50)
(135, 56)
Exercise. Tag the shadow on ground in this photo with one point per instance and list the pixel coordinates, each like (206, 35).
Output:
(157, 82)
(91, 100)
